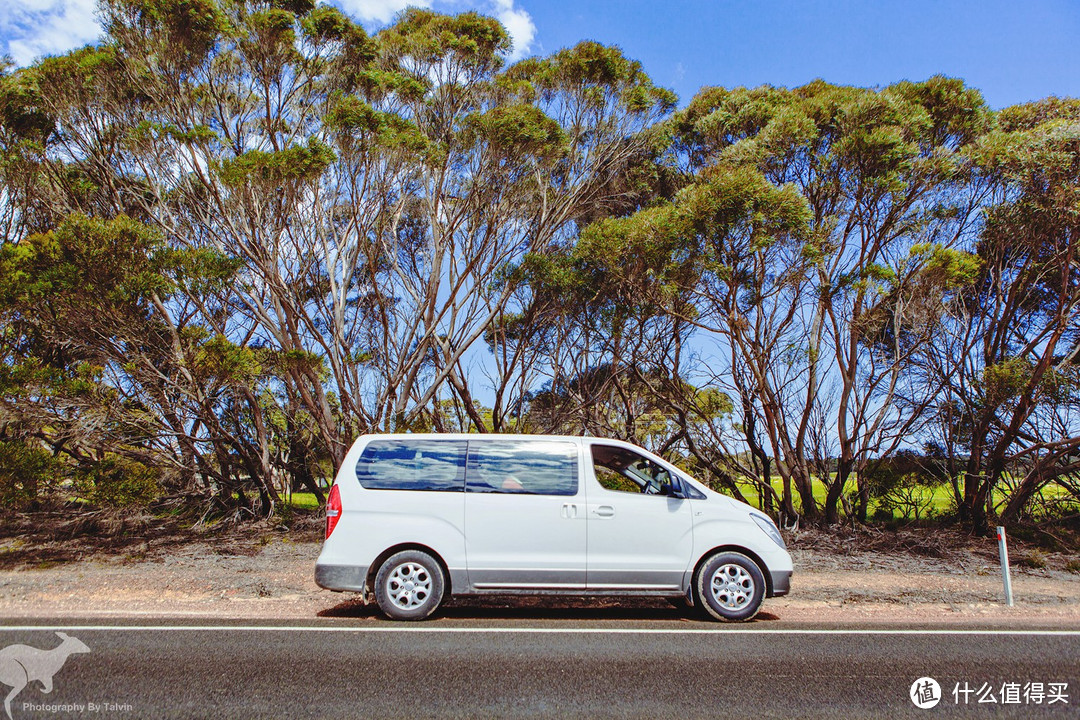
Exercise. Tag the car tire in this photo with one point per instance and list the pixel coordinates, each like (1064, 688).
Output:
(409, 585)
(729, 586)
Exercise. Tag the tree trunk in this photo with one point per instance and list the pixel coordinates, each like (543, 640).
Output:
(836, 490)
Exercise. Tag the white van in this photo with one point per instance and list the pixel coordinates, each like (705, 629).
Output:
(412, 519)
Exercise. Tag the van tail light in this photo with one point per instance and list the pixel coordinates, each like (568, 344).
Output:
(333, 509)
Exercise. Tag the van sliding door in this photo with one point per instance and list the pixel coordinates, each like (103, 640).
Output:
(524, 515)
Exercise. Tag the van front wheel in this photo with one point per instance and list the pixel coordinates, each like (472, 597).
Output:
(409, 585)
(729, 586)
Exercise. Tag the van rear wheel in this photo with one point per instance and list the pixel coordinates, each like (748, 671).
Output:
(729, 586)
(409, 585)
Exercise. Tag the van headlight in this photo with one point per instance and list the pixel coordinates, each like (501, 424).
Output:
(768, 528)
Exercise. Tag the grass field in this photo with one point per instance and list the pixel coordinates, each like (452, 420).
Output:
(936, 501)
(932, 502)
(303, 501)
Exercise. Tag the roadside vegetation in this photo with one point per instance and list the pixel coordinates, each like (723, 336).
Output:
(235, 235)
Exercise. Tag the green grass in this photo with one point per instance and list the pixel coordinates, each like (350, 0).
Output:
(303, 501)
(940, 499)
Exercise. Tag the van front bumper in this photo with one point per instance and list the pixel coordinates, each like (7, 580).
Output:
(781, 583)
(341, 577)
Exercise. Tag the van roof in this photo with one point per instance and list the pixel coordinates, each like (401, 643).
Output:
(485, 436)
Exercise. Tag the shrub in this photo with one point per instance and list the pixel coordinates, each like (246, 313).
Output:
(904, 483)
(119, 482)
(27, 471)
(1034, 559)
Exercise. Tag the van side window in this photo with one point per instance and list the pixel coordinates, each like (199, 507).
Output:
(528, 467)
(412, 465)
(617, 468)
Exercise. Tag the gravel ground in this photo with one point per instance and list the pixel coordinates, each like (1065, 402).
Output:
(876, 577)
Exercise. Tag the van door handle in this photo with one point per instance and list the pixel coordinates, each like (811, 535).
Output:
(569, 511)
(605, 511)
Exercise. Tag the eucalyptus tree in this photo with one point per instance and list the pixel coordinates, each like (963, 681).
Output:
(635, 290)
(1007, 414)
(377, 189)
(549, 146)
(99, 371)
(359, 202)
(883, 175)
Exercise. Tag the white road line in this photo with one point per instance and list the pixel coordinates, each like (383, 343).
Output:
(530, 630)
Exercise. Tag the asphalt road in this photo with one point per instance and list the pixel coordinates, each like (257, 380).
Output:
(564, 667)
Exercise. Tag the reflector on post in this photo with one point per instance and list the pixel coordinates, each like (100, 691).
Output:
(1003, 551)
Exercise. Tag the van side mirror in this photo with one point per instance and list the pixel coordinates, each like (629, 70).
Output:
(674, 490)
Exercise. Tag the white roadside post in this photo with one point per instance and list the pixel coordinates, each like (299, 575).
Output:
(1003, 550)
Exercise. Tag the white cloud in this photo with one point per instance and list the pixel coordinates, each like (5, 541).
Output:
(32, 28)
(380, 11)
(519, 24)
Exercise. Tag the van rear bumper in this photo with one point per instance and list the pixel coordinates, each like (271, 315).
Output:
(341, 577)
(781, 583)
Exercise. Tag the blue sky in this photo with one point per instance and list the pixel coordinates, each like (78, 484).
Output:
(1012, 51)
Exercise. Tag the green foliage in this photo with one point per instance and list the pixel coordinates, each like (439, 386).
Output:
(650, 260)
(299, 8)
(905, 483)
(874, 135)
(908, 300)
(1031, 116)
(218, 358)
(285, 361)
(116, 481)
(597, 72)
(381, 84)
(84, 263)
(634, 260)
(519, 130)
(188, 29)
(327, 23)
(82, 79)
(21, 110)
(27, 472)
(945, 267)
(712, 404)
(958, 115)
(1005, 380)
(429, 38)
(353, 114)
(735, 206)
(275, 23)
(270, 43)
(303, 164)
(353, 117)
(147, 131)
(1034, 146)
(198, 270)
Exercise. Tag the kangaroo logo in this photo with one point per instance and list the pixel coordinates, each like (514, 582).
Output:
(21, 664)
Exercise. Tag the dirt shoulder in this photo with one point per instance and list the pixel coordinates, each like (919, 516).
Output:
(924, 577)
